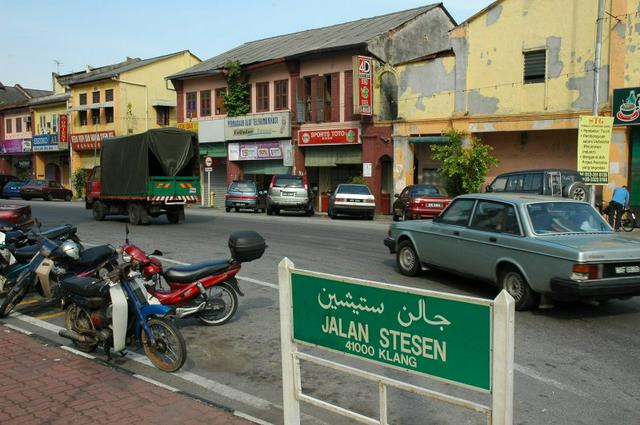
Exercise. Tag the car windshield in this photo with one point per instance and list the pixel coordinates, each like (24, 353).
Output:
(36, 182)
(288, 182)
(242, 187)
(354, 189)
(565, 217)
(428, 191)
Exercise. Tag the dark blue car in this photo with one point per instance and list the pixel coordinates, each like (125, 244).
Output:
(12, 189)
(246, 195)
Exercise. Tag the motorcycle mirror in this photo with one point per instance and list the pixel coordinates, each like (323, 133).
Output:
(126, 233)
(38, 223)
(157, 253)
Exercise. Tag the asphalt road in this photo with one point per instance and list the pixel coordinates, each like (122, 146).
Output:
(576, 363)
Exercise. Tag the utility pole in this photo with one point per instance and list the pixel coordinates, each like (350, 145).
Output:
(596, 79)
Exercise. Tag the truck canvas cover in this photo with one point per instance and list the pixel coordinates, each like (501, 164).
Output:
(127, 162)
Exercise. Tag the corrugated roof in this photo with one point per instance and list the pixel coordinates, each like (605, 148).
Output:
(18, 96)
(51, 99)
(334, 37)
(9, 94)
(109, 71)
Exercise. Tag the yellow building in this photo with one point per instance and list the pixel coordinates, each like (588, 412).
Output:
(518, 74)
(114, 100)
(50, 140)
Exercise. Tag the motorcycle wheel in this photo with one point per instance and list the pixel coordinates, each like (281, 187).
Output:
(77, 319)
(169, 351)
(16, 294)
(221, 306)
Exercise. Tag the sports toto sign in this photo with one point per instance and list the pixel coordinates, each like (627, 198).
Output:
(342, 136)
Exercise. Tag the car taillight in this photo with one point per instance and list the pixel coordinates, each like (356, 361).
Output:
(304, 181)
(273, 182)
(586, 271)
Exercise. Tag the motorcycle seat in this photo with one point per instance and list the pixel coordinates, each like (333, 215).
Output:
(94, 256)
(12, 237)
(58, 232)
(193, 272)
(84, 286)
(25, 254)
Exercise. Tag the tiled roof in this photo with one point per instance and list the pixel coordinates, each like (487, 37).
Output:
(340, 36)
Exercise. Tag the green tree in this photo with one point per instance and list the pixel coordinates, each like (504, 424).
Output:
(79, 180)
(465, 167)
(236, 100)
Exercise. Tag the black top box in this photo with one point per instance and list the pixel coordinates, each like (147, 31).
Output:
(246, 245)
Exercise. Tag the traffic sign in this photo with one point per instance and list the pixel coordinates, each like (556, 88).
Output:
(208, 161)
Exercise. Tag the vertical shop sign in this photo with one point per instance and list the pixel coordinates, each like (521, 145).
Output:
(64, 128)
(363, 85)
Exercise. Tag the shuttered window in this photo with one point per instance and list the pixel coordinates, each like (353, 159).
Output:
(535, 66)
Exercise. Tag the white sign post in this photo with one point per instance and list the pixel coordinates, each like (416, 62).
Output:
(208, 168)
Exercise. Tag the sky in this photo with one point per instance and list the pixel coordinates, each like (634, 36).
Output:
(34, 34)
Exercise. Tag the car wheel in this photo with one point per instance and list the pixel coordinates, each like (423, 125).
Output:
(276, 211)
(407, 259)
(237, 209)
(26, 198)
(515, 284)
(269, 210)
(67, 197)
(370, 217)
(577, 191)
(227, 209)
(309, 212)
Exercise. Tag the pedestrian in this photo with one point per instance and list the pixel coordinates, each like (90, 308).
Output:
(619, 202)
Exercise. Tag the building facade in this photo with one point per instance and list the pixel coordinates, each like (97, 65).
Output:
(523, 93)
(306, 81)
(115, 100)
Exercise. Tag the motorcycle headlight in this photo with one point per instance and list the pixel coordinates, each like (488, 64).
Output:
(127, 258)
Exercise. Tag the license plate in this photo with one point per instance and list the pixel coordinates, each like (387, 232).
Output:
(288, 194)
(354, 200)
(241, 204)
(434, 205)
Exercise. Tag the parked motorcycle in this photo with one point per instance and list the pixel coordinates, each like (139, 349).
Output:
(207, 290)
(52, 260)
(114, 310)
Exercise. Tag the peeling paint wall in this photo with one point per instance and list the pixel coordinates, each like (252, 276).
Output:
(496, 41)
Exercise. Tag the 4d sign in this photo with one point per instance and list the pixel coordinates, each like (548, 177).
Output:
(363, 85)
(439, 335)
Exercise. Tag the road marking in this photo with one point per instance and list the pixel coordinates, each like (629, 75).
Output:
(17, 329)
(258, 282)
(535, 375)
(77, 352)
(189, 377)
(50, 315)
(156, 383)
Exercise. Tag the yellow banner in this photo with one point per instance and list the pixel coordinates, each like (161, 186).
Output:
(190, 126)
(594, 138)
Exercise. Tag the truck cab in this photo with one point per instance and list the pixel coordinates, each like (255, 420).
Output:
(92, 187)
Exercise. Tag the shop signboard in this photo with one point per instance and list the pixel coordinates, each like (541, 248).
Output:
(337, 136)
(64, 130)
(89, 141)
(363, 85)
(258, 126)
(594, 138)
(12, 146)
(626, 106)
(253, 151)
(189, 126)
(47, 142)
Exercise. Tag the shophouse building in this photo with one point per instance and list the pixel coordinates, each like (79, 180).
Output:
(50, 140)
(119, 99)
(303, 118)
(16, 130)
(518, 74)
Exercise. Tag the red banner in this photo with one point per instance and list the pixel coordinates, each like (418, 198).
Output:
(89, 141)
(63, 136)
(364, 98)
(338, 136)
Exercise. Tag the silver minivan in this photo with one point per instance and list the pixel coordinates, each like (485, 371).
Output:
(289, 192)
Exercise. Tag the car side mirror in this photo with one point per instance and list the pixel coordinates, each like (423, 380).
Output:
(489, 189)
(157, 253)
(437, 219)
(397, 195)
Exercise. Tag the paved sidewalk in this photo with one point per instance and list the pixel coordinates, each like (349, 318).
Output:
(42, 384)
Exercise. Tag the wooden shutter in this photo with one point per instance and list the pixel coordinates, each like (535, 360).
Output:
(348, 95)
(535, 66)
(335, 96)
(299, 96)
(319, 99)
(313, 96)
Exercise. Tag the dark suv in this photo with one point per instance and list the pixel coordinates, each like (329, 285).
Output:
(551, 182)
(289, 192)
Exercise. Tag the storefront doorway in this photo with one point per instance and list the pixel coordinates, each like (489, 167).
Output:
(52, 172)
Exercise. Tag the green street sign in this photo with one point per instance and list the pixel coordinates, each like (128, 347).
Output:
(626, 106)
(440, 335)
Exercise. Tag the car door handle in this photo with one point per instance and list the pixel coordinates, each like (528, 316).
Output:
(493, 239)
(456, 233)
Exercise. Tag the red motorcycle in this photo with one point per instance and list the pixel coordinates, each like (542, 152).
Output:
(206, 290)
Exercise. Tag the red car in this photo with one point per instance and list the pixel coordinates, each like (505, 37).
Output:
(16, 214)
(420, 201)
(45, 189)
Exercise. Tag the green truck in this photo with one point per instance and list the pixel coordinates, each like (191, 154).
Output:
(145, 175)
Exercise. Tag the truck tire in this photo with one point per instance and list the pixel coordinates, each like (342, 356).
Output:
(99, 212)
(175, 215)
(133, 209)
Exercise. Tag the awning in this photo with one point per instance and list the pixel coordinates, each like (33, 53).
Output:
(330, 156)
(92, 106)
(159, 102)
(216, 150)
(265, 167)
(428, 139)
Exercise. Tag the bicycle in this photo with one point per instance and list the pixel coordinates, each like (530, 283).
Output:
(627, 222)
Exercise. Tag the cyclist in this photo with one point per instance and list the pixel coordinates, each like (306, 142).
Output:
(619, 202)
